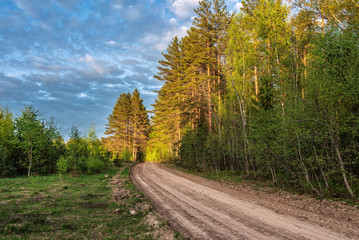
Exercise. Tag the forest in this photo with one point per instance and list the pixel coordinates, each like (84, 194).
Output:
(32, 145)
(269, 93)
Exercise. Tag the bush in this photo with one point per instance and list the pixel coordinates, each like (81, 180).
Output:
(62, 165)
(82, 163)
(126, 155)
(95, 164)
(115, 159)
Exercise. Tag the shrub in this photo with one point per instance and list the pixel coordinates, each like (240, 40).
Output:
(94, 164)
(7, 166)
(62, 165)
(115, 159)
(126, 155)
(82, 163)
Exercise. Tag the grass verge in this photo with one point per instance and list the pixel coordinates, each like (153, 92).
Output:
(99, 206)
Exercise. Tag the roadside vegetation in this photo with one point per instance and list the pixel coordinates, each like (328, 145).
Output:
(32, 146)
(50, 189)
(104, 205)
(270, 93)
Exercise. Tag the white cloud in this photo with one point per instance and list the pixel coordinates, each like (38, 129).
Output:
(184, 8)
(173, 21)
(85, 95)
(44, 95)
(94, 65)
(82, 95)
(111, 43)
(94, 51)
(146, 92)
(112, 85)
(160, 42)
(238, 6)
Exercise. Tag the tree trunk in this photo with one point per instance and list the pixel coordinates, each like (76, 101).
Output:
(305, 72)
(219, 79)
(274, 175)
(256, 82)
(268, 48)
(341, 162)
(305, 171)
(209, 91)
(243, 118)
(256, 76)
(30, 161)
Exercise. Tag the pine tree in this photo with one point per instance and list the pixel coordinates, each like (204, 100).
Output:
(285, 109)
(128, 126)
(203, 27)
(7, 135)
(192, 71)
(304, 28)
(221, 20)
(168, 108)
(119, 125)
(140, 125)
(35, 141)
(172, 90)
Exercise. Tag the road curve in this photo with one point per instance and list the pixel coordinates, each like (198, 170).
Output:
(201, 212)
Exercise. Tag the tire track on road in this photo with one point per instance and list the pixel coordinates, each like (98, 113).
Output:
(200, 212)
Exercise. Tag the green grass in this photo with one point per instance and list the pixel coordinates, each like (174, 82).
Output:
(77, 208)
(125, 171)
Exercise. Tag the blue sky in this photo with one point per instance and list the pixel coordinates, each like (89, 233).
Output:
(71, 59)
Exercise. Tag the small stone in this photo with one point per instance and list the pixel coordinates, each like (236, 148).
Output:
(106, 176)
(132, 212)
(117, 210)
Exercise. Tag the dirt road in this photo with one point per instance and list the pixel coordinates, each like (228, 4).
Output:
(203, 209)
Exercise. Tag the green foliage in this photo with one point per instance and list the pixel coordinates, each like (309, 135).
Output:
(115, 159)
(29, 145)
(158, 154)
(140, 124)
(62, 165)
(94, 164)
(128, 126)
(7, 167)
(37, 142)
(193, 148)
(126, 155)
(70, 209)
(266, 97)
(7, 127)
(125, 171)
(81, 162)
(86, 155)
(77, 150)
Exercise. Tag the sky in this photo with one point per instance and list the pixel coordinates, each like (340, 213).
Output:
(71, 59)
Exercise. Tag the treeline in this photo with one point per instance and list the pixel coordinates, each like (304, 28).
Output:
(128, 128)
(34, 146)
(270, 93)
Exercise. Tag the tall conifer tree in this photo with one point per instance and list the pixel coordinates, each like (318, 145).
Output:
(140, 125)
(119, 125)
(128, 125)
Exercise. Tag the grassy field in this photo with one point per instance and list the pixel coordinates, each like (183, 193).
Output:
(78, 208)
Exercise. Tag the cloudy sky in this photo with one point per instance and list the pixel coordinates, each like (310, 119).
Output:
(71, 59)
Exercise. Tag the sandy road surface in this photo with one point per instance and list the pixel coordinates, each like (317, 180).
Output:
(200, 211)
